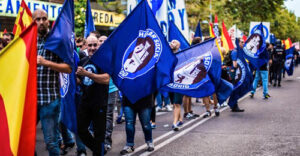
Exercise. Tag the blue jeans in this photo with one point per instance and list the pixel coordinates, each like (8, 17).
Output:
(130, 118)
(68, 139)
(264, 75)
(49, 114)
(113, 100)
(160, 101)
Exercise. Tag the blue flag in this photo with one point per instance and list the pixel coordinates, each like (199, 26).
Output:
(255, 48)
(242, 82)
(136, 55)
(89, 22)
(61, 41)
(61, 38)
(273, 39)
(175, 34)
(191, 76)
(198, 32)
(224, 90)
(68, 101)
(289, 61)
(156, 4)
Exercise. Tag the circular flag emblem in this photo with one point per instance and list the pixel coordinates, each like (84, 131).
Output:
(64, 84)
(240, 74)
(252, 45)
(192, 73)
(141, 55)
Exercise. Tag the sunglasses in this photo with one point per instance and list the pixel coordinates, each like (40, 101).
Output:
(93, 45)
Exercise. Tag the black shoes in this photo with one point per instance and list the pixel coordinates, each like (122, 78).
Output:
(66, 148)
(207, 114)
(237, 109)
(251, 95)
(267, 96)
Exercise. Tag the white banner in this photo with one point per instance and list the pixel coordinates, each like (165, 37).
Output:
(11, 7)
(234, 33)
(267, 31)
(169, 10)
(161, 13)
(296, 44)
(177, 13)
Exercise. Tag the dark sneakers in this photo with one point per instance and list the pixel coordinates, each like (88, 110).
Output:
(251, 95)
(237, 109)
(207, 114)
(267, 96)
(127, 150)
(150, 147)
(66, 148)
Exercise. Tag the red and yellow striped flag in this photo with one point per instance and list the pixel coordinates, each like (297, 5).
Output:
(288, 43)
(226, 40)
(23, 20)
(18, 94)
(211, 30)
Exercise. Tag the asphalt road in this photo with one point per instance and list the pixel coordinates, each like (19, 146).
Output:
(267, 128)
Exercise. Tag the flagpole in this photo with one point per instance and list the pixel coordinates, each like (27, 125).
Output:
(210, 16)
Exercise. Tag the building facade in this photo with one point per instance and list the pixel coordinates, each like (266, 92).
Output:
(104, 21)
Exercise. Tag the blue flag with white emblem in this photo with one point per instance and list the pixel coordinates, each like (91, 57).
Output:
(136, 55)
(89, 22)
(198, 32)
(61, 38)
(191, 76)
(242, 82)
(289, 61)
(68, 99)
(222, 88)
(175, 34)
(61, 42)
(255, 48)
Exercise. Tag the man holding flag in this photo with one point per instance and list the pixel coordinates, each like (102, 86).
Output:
(49, 67)
(242, 77)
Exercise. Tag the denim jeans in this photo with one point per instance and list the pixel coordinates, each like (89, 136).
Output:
(113, 100)
(159, 100)
(263, 74)
(130, 118)
(49, 114)
(68, 139)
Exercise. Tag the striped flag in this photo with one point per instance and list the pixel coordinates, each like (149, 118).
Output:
(288, 43)
(18, 90)
(216, 27)
(226, 40)
(23, 20)
(211, 30)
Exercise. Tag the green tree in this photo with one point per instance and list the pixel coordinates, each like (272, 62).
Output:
(79, 8)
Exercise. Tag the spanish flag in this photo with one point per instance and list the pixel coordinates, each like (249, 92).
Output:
(23, 20)
(226, 40)
(18, 94)
(288, 43)
(211, 30)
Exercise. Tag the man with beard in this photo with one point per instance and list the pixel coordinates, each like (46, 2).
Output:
(48, 69)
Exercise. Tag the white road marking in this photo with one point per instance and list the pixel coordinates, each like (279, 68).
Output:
(157, 147)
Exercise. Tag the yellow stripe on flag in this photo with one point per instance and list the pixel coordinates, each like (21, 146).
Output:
(23, 20)
(219, 48)
(13, 82)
